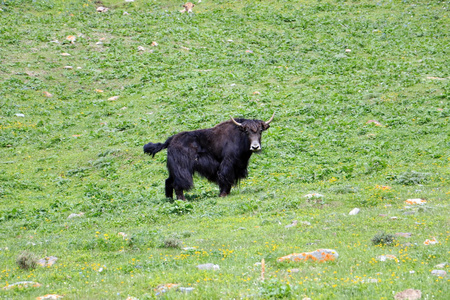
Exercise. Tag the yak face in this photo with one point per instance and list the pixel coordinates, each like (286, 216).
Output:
(253, 129)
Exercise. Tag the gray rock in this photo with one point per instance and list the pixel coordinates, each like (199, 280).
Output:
(408, 294)
(354, 211)
(208, 266)
(440, 273)
(441, 266)
(185, 289)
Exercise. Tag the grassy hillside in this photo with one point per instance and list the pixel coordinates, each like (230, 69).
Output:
(361, 95)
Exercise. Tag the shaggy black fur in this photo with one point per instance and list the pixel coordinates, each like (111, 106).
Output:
(220, 154)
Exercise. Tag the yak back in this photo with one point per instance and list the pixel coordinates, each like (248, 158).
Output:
(221, 141)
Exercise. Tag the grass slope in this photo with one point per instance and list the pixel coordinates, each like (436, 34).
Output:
(328, 69)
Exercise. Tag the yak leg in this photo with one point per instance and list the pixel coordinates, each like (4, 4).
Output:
(224, 193)
(226, 178)
(169, 187)
(180, 164)
(180, 195)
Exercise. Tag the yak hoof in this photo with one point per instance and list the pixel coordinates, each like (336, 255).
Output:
(223, 194)
(180, 195)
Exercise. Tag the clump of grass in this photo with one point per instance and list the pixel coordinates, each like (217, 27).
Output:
(345, 189)
(27, 260)
(383, 238)
(172, 243)
(275, 289)
(411, 178)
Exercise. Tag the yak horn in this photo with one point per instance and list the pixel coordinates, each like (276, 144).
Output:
(235, 122)
(270, 120)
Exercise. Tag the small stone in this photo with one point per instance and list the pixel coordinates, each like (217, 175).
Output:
(47, 261)
(140, 48)
(47, 94)
(162, 288)
(354, 211)
(102, 9)
(374, 122)
(125, 13)
(185, 289)
(75, 215)
(154, 44)
(20, 115)
(440, 273)
(68, 67)
(441, 266)
(370, 280)
(433, 241)
(408, 294)
(189, 248)
(208, 266)
(416, 201)
(386, 257)
(394, 218)
(313, 195)
(294, 223)
(99, 43)
(348, 50)
(404, 234)
(113, 98)
(65, 54)
(71, 38)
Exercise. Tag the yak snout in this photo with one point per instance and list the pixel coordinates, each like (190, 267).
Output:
(255, 146)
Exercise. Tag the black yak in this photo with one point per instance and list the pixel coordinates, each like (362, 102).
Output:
(220, 154)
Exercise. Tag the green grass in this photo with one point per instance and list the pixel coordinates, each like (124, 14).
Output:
(79, 152)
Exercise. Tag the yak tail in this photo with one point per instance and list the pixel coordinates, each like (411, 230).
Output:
(152, 149)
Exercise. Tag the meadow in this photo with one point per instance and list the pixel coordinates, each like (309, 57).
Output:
(360, 91)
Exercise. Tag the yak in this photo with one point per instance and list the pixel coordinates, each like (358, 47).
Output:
(220, 154)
